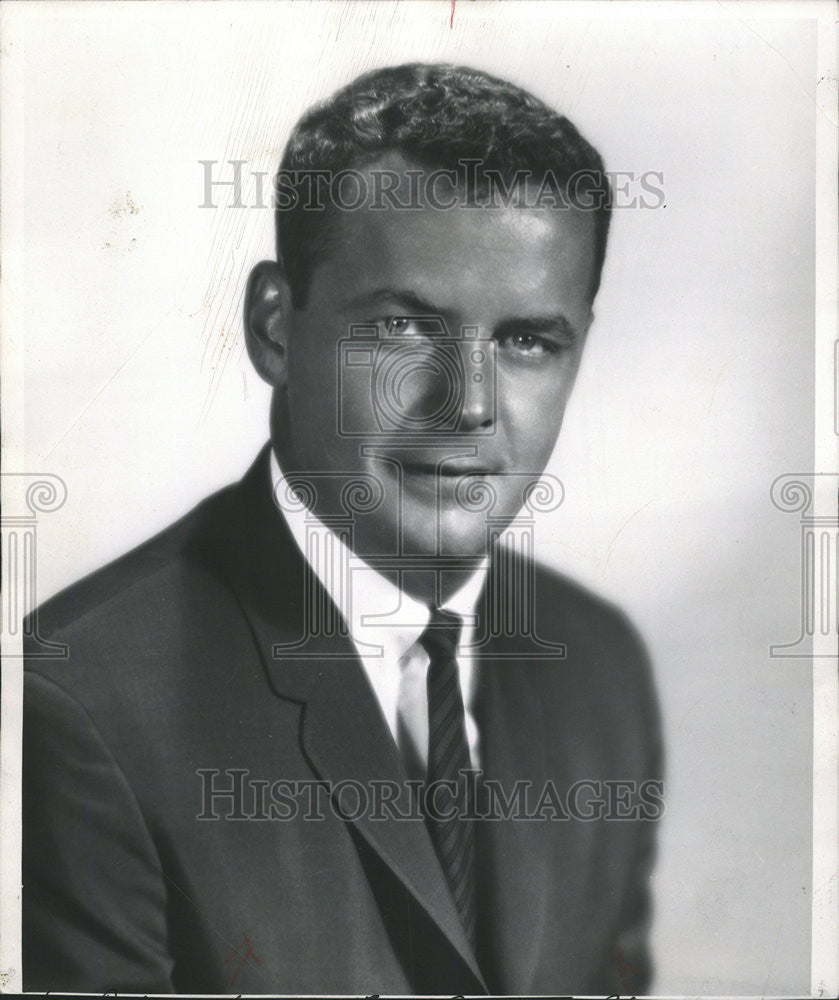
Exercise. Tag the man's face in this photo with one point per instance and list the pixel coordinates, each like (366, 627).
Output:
(436, 413)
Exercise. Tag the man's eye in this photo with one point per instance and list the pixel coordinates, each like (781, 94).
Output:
(403, 326)
(410, 327)
(530, 345)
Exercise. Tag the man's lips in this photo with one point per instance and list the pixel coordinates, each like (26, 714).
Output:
(447, 470)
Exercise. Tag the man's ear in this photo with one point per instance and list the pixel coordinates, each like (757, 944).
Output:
(267, 321)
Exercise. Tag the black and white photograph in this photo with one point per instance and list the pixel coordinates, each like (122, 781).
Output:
(419, 498)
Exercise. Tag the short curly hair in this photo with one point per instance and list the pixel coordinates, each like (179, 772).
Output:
(437, 116)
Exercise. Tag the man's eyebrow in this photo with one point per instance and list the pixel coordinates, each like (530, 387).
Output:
(405, 297)
(558, 323)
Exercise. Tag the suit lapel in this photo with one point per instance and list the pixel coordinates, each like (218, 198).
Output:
(347, 739)
(516, 863)
(344, 733)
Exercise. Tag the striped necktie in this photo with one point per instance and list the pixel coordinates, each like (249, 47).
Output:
(447, 806)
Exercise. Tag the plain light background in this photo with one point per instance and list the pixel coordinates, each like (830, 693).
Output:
(695, 394)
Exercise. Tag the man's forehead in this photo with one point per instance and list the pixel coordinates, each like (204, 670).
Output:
(475, 265)
(428, 237)
(395, 180)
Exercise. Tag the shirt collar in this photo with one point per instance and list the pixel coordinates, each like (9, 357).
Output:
(382, 620)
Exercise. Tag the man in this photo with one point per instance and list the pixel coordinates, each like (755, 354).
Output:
(325, 734)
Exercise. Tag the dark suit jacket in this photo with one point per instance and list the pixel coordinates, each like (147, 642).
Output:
(170, 671)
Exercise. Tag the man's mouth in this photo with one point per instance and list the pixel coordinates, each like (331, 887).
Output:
(446, 470)
(435, 475)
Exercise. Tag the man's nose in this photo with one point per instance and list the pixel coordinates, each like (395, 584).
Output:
(478, 390)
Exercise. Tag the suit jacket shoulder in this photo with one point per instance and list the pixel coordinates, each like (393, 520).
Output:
(587, 648)
(143, 570)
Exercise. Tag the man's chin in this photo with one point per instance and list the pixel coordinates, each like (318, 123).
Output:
(420, 535)
(435, 517)
(452, 535)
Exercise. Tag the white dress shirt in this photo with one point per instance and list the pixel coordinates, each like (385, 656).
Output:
(385, 625)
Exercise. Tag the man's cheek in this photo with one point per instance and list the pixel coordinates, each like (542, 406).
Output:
(534, 419)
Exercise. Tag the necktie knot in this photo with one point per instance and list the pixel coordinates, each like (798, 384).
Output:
(442, 634)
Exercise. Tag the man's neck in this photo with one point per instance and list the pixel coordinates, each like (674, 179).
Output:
(431, 586)
(426, 577)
